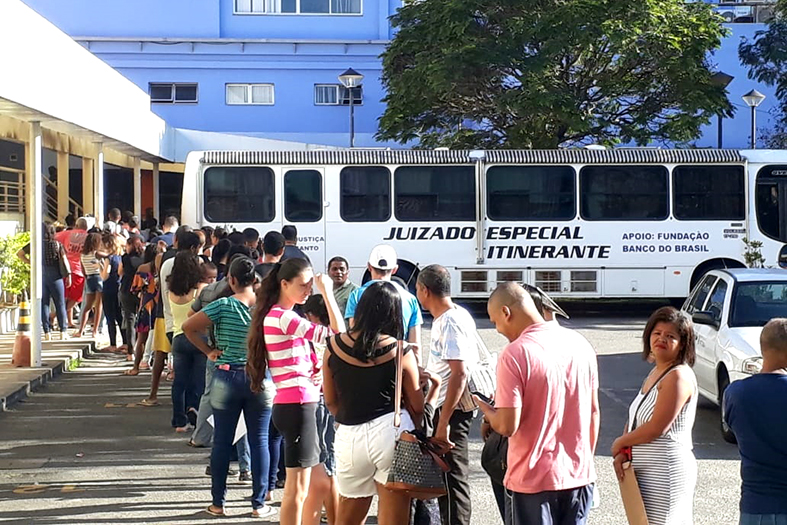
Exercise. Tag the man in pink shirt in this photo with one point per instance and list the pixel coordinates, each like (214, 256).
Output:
(547, 402)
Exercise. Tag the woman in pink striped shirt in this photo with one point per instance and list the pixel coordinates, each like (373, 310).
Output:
(278, 340)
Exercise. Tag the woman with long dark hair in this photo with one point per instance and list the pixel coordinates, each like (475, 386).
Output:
(657, 439)
(94, 285)
(129, 302)
(114, 246)
(144, 285)
(54, 285)
(278, 344)
(184, 284)
(359, 374)
(219, 256)
(231, 391)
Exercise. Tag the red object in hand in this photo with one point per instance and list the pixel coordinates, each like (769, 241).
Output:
(627, 452)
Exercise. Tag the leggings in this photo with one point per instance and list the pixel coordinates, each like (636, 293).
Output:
(114, 316)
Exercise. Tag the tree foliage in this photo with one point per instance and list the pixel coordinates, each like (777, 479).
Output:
(766, 56)
(550, 73)
(14, 273)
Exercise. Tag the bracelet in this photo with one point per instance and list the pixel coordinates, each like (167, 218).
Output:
(627, 452)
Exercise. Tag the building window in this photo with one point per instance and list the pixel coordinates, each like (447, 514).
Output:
(624, 193)
(172, 93)
(239, 194)
(307, 7)
(256, 94)
(303, 196)
(336, 95)
(365, 194)
(435, 193)
(530, 193)
(708, 193)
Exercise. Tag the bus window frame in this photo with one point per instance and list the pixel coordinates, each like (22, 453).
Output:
(285, 209)
(473, 178)
(205, 195)
(389, 176)
(574, 193)
(781, 184)
(668, 193)
(673, 193)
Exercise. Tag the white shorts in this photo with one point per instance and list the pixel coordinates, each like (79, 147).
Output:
(364, 454)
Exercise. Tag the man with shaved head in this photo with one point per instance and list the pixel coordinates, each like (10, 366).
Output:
(547, 403)
(754, 410)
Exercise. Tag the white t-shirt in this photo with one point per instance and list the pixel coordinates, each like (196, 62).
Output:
(166, 269)
(453, 338)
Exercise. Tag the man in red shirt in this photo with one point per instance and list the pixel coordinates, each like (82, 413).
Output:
(73, 241)
(547, 402)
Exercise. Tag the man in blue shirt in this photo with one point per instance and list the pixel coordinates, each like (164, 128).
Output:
(382, 265)
(754, 410)
(169, 227)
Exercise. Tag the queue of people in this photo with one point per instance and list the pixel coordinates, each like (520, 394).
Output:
(314, 377)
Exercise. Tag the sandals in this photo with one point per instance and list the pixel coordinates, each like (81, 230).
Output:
(131, 372)
(192, 444)
(215, 513)
(149, 402)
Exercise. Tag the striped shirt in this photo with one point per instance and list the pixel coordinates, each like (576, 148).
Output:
(90, 264)
(231, 319)
(290, 355)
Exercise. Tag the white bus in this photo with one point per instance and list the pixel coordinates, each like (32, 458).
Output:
(618, 223)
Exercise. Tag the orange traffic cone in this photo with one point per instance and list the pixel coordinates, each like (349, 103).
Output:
(21, 353)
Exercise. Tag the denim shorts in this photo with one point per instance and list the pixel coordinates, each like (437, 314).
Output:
(93, 284)
(326, 433)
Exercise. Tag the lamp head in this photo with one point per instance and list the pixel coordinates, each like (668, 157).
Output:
(351, 78)
(753, 98)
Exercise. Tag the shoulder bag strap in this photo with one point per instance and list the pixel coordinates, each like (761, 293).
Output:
(662, 376)
(398, 385)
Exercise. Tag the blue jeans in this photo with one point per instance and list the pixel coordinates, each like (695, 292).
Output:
(275, 440)
(230, 394)
(55, 290)
(189, 383)
(763, 519)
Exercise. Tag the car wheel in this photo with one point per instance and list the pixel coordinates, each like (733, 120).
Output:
(726, 431)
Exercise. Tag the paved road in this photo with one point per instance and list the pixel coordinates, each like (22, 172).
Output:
(76, 453)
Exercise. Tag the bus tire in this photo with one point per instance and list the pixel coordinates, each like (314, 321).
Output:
(406, 275)
(713, 264)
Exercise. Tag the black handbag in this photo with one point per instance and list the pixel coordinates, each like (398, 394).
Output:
(417, 469)
(494, 457)
(65, 266)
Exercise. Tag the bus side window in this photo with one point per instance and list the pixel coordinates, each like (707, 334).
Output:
(239, 194)
(303, 196)
(705, 193)
(531, 193)
(435, 193)
(365, 194)
(624, 193)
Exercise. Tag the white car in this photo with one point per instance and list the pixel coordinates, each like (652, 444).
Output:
(729, 308)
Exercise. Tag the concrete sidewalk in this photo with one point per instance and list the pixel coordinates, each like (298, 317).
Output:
(57, 356)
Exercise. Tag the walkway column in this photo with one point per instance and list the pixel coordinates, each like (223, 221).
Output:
(98, 198)
(87, 186)
(62, 185)
(35, 191)
(155, 195)
(137, 188)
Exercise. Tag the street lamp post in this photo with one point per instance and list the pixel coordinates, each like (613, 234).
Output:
(753, 99)
(351, 79)
(722, 79)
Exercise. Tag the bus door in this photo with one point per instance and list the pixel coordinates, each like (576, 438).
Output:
(771, 205)
(303, 191)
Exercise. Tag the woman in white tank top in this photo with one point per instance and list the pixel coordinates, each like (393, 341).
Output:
(657, 437)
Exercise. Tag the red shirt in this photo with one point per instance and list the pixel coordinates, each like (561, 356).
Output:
(551, 373)
(73, 241)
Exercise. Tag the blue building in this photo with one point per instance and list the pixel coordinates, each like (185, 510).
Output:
(269, 68)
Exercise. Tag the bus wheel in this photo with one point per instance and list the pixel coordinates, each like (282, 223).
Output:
(713, 264)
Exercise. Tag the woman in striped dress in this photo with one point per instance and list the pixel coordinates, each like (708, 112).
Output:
(658, 433)
(278, 344)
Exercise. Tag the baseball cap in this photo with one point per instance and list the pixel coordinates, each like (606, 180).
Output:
(383, 257)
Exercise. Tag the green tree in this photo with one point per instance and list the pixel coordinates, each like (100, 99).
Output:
(766, 56)
(550, 73)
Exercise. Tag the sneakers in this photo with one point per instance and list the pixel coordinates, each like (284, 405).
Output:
(263, 512)
(245, 477)
(230, 472)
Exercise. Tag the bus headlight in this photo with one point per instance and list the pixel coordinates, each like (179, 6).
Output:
(752, 365)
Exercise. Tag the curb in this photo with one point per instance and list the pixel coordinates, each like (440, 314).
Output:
(50, 369)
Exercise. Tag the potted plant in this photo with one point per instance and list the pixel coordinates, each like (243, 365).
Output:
(14, 277)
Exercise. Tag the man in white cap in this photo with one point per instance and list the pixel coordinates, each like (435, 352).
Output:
(382, 265)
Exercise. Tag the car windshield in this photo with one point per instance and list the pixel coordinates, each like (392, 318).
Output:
(757, 303)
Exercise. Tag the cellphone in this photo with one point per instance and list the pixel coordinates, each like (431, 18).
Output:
(483, 398)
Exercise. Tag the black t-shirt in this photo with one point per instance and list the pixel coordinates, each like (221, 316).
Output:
(263, 269)
(363, 393)
(130, 265)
